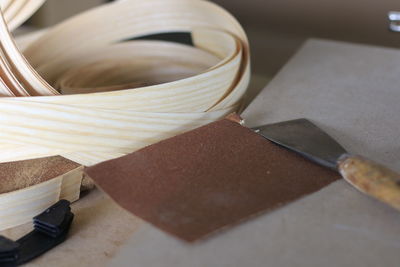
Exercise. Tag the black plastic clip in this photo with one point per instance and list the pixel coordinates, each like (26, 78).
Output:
(50, 229)
(55, 219)
(8, 251)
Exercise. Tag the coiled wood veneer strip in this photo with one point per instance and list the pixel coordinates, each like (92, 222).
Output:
(82, 91)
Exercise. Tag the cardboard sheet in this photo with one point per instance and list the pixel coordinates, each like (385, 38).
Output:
(349, 90)
(352, 92)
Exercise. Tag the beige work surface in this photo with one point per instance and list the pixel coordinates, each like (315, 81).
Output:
(351, 91)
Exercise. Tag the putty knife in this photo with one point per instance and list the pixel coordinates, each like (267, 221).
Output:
(305, 138)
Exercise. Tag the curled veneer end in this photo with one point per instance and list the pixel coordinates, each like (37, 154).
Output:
(235, 118)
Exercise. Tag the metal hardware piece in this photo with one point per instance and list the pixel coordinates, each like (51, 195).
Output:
(305, 138)
(394, 18)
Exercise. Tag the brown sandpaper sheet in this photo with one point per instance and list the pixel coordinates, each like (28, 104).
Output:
(201, 181)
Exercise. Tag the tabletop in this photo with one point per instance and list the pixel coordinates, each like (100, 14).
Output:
(352, 92)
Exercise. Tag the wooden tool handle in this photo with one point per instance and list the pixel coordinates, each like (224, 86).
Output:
(372, 178)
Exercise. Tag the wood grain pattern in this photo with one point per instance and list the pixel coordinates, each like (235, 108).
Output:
(16, 12)
(96, 126)
(372, 179)
(20, 206)
(80, 92)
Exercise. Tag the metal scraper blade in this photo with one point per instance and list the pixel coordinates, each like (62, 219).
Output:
(305, 138)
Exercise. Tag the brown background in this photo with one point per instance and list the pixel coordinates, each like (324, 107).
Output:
(277, 28)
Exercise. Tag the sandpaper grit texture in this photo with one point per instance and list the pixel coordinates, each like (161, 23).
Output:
(201, 181)
(21, 174)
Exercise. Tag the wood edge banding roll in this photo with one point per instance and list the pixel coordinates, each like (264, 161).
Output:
(202, 84)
